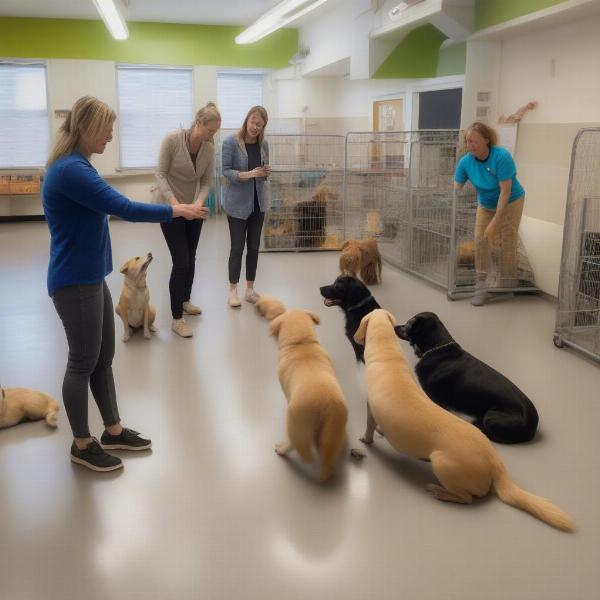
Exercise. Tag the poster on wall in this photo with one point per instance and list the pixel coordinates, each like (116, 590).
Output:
(507, 136)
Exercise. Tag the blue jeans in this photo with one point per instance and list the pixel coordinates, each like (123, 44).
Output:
(86, 312)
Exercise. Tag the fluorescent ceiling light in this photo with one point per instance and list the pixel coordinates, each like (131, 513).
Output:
(279, 16)
(112, 19)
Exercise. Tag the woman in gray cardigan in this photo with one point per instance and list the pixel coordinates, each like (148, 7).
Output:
(184, 174)
(246, 167)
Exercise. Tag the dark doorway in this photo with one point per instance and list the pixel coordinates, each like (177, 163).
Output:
(440, 109)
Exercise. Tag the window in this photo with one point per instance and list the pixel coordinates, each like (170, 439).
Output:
(153, 101)
(24, 122)
(237, 93)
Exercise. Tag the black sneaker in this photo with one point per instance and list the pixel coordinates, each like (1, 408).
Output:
(94, 457)
(128, 439)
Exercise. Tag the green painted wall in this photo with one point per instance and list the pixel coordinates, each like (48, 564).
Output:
(150, 43)
(414, 57)
(452, 60)
(494, 12)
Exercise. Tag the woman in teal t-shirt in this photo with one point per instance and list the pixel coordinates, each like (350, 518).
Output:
(500, 197)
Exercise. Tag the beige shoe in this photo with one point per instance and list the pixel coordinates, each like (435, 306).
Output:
(191, 309)
(251, 296)
(233, 300)
(180, 327)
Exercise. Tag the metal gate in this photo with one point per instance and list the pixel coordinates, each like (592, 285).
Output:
(578, 315)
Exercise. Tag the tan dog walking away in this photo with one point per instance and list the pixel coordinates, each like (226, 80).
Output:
(134, 306)
(317, 412)
(22, 404)
(462, 458)
(361, 256)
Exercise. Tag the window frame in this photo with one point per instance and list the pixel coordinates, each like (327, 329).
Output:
(42, 63)
(133, 66)
(256, 72)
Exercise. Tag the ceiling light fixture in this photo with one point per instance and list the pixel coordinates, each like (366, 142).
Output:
(279, 16)
(112, 19)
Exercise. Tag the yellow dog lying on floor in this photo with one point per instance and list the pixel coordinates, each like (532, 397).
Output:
(23, 404)
(462, 458)
(317, 412)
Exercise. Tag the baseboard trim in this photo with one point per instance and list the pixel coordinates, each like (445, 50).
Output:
(16, 218)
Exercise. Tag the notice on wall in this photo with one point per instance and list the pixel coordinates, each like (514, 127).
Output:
(507, 136)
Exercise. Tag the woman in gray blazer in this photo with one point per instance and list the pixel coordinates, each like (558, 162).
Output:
(184, 174)
(246, 167)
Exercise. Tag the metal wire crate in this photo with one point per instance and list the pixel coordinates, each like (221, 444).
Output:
(461, 276)
(305, 196)
(399, 191)
(578, 314)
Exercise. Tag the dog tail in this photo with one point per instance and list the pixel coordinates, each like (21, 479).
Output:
(269, 307)
(371, 263)
(508, 491)
(52, 412)
(331, 439)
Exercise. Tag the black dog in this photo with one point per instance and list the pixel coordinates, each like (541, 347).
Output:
(458, 381)
(355, 299)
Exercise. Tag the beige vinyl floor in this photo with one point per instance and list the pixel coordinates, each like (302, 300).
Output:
(213, 513)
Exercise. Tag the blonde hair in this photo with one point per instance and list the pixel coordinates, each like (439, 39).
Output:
(262, 112)
(485, 131)
(88, 117)
(207, 113)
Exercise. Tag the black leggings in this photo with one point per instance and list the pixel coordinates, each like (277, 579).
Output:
(86, 312)
(244, 232)
(182, 238)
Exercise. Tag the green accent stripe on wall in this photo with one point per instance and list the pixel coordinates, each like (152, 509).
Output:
(494, 12)
(414, 57)
(452, 60)
(150, 43)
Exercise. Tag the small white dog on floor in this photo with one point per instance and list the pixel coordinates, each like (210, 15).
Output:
(23, 404)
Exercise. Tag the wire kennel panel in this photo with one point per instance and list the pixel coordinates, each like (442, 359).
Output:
(375, 166)
(305, 211)
(305, 199)
(461, 275)
(578, 314)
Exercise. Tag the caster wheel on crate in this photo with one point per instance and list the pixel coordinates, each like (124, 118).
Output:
(558, 341)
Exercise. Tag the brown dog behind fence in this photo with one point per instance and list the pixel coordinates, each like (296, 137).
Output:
(361, 257)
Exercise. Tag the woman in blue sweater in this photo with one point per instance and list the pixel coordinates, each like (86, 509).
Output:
(77, 202)
(500, 197)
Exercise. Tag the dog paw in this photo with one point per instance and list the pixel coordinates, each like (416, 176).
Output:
(357, 453)
(153, 329)
(147, 335)
(366, 439)
(282, 448)
(126, 338)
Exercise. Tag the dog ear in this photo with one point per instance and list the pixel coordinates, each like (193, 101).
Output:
(275, 325)
(314, 316)
(391, 317)
(361, 332)
(345, 245)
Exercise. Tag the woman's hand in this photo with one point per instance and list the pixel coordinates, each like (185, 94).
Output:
(491, 230)
(190, 211)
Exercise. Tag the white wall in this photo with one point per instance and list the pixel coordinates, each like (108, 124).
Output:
(559, 67)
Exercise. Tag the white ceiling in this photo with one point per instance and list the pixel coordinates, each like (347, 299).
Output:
(215, 12)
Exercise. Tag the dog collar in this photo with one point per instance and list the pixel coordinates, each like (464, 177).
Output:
(361, 303)
(436, 348)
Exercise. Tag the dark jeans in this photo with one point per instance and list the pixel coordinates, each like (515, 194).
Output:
(86, 312)
(182, 238)
(244, 232)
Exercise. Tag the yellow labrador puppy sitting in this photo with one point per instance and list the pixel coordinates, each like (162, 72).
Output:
(134, 306)
(23, 404)
(317, 412)
(462, 458)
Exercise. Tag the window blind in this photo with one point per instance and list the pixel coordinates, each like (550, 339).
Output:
(237, 93)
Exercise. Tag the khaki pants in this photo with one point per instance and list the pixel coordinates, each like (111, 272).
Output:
(505, 244)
